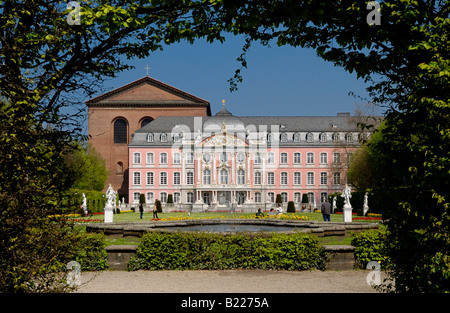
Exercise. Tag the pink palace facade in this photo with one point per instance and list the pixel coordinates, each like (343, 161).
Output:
(224, 162)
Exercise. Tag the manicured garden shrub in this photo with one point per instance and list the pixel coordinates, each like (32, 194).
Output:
(89, 251)
(370, 246)
(291, 207)
(197, 250)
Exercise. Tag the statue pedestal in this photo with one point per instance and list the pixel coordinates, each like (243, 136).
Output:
(347, 213)
(109, 214)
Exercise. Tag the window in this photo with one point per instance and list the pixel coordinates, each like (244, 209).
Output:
(163, 178)
(349, 137)
(119, 168)
(270, 158)
(310, 158)
(223, 176)
(136, 196)
(297, 158)
(284, 137)
(284, 158)
(206, 176)
(176, 158)
(271, 197)
(309, 137)
(269, 137)
(120, 131)
(241, 177)
(150, 197)
(258, 197)
(323, 158)
(189, 178)
(296, 137)
(310, 178)
(323, 137)
(323, 196)
(190, 158)
(311, 197)
(335, 137)
(271, 178)
(257, 178)
(223, 157)
(297, 178)
(336, 178)
(206, 157)
(176, 197)
(336, 158)
(284, 178)
(163, 197)
(149, 158)
(297, 197)
(176, 178)
(136, 158)
(323, 178)
(150, 178)
(163, 137)
(257, 158)
(146, 121)
(190, 197)
(163, 158)
(150, 137)
(284, 197)
(349, 158)
(136, 178)
(241, 157)
(176, 137)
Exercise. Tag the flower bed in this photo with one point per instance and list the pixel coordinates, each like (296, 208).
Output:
(252, 216)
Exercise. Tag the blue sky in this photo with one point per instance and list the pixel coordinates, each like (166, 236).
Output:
(277, 81)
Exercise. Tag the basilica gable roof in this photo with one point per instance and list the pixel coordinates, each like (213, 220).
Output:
(147, 91)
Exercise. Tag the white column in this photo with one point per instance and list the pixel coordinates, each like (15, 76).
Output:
(214, 168)
(233, 168)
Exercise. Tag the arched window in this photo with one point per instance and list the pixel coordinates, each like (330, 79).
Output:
(309, 137)
(120, 131)
(241, 177)
(296, 137)
(145, 121)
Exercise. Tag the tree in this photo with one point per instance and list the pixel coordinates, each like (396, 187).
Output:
(291, 207)
(85, 168)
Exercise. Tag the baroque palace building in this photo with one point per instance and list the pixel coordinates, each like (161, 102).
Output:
(159, 141)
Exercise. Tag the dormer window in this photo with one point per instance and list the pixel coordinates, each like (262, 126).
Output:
(150, 137)
(309, 137)
(163, 137)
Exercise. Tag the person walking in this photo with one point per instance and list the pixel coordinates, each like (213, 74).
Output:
(141, 210)
(326, 210)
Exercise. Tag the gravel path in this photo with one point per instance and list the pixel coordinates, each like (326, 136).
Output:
(227, 281)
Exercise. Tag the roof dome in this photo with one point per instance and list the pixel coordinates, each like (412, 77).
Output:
(223, 120)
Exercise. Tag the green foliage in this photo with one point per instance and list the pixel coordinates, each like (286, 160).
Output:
(142, 198)
(91, 253)
(305, 198)
(278, 199)
(85, 169)
(158, 206)
(370, 246)
(291, 207)
(197, 250)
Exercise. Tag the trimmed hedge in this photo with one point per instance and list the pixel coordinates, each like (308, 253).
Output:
(369, 246)
(197, 250)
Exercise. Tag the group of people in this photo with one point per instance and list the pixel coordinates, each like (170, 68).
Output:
(326, 211)
(155, 210)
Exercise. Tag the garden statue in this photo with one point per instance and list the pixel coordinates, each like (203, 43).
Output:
(346, 194)
(366, 204)
(334, 203)
(84, 205)
(110, 203)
